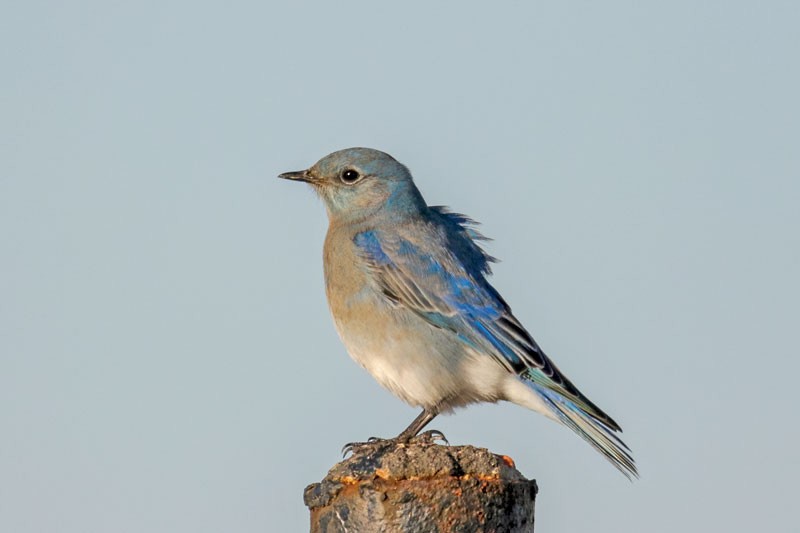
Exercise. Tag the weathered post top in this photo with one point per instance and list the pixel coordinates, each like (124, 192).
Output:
(422, 488)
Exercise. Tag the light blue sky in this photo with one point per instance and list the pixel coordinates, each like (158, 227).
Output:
(167, 362)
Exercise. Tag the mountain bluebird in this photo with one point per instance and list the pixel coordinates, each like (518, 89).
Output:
(406, 285)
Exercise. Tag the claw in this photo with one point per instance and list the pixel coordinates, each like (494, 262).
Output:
(348, 448)
(430, 437)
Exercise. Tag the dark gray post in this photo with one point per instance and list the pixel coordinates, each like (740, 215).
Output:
(422, 488)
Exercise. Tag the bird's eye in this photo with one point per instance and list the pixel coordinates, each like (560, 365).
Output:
(350, 176)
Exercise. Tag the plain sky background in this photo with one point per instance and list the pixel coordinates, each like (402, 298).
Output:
(167, 360)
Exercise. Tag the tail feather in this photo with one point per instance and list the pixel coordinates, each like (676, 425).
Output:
(600, 436)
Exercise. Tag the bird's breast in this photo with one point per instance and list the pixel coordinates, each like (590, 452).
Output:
(354, 303)
(389, 342)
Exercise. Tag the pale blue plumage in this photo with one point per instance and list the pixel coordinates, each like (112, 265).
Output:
(408, 291)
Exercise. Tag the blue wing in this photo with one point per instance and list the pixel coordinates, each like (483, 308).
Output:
(438, 272)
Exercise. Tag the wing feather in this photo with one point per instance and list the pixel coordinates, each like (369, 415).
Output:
(438, 272)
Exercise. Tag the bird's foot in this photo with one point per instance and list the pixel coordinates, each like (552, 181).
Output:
(370, 446)
(373, 444)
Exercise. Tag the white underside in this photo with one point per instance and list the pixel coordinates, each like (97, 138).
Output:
(434, 369)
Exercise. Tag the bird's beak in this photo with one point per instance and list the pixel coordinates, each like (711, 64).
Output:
(297, 175)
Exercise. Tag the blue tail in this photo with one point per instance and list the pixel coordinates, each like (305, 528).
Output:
(591, 429)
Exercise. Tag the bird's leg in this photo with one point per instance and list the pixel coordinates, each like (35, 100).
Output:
(409, 435)
(416, 426)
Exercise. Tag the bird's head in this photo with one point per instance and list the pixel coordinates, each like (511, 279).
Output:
(358, 183)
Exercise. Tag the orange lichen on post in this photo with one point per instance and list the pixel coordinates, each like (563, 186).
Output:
(508, 461)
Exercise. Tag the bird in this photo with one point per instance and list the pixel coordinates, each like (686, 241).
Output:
(407, 287)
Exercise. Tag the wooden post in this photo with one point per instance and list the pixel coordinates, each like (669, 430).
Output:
(422, 488)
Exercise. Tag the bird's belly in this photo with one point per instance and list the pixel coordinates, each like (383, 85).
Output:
(423, 365)
(401, 358)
